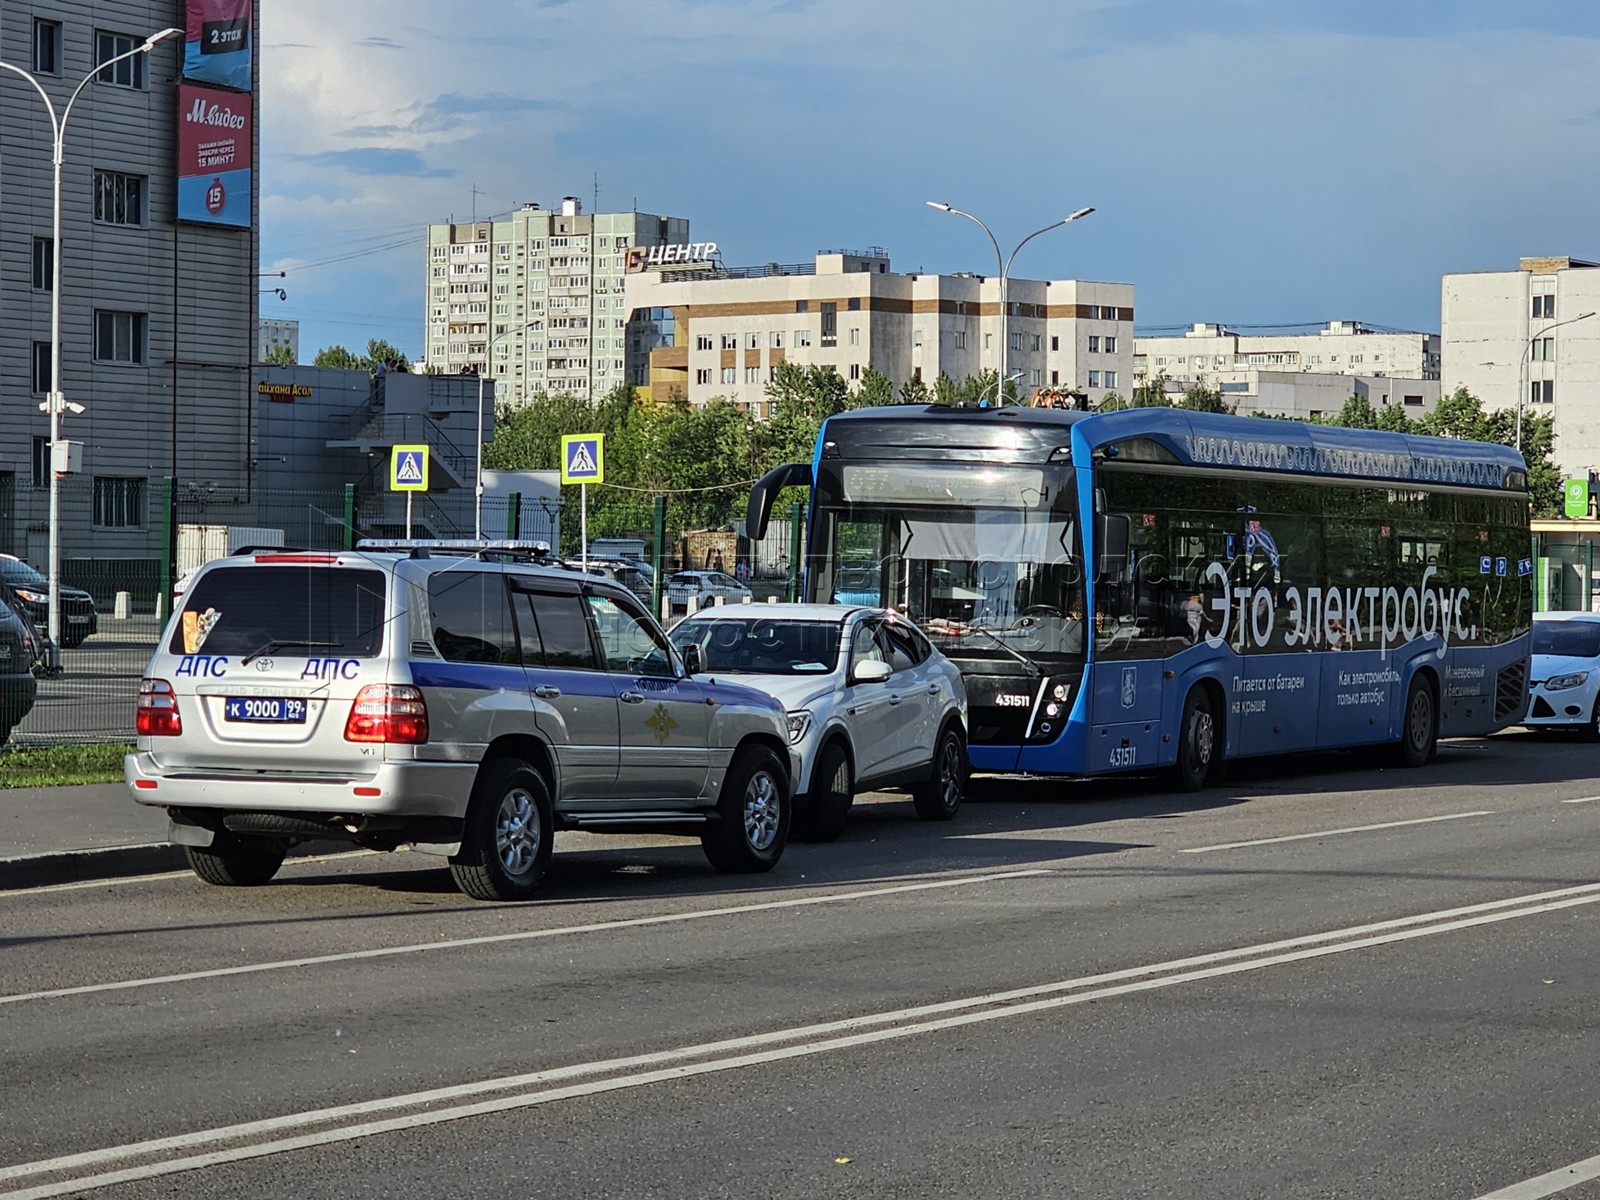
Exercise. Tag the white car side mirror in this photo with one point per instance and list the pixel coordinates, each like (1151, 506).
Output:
(872, 671)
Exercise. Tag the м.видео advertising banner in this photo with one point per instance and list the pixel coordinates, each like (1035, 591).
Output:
(217, 43)
(214, 140)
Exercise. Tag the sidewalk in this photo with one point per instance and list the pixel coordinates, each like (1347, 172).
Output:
(52, 835)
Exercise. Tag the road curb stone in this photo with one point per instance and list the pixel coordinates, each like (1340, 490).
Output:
(82, 866)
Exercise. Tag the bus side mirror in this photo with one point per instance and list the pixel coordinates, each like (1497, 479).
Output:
(693, 664)
(1112, 533)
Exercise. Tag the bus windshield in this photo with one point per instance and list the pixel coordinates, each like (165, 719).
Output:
(985, 559)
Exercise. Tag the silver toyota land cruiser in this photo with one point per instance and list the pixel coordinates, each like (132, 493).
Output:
(460, 701)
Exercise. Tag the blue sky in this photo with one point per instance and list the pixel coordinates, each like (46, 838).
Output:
(1256, 162)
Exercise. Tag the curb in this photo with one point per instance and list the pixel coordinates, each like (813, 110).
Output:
(82, 866)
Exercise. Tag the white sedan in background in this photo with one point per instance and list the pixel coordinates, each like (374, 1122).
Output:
(1565, 688)
(704, 588)
(871, 702)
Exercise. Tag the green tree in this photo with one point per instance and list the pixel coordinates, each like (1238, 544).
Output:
(914, 391)
(875, 389)
(1357, 413)
(944, 390)
(1197, 397)
(281, 356)
(379, 353)
(337, 356)
(1111, 402)
(1152, 393)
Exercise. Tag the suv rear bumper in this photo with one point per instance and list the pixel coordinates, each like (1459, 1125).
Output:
(404, 789)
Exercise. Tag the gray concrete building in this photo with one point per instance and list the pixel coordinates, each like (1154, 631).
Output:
(157, 270)
(535, 299)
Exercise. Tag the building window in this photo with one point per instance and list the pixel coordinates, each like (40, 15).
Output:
(1543, 349)
(128, 73)
(1110, 379)
(1111, 345)
(802, 337)
(41, 368)
(777, 339)
(1035, 378)
(752, 341)
(47, 47)
(752, 374)
(855, 336)
(988, 342)
(730, 341)
(801, 306)
(728, 375)
(1055, 378)
(853, 304)
(1038, 343)
(855, 370)
(702, 341)
(43, 264)
(830, 323)
(1016, 341)
(41, 461)
(1108, 312)
(1055, 344)
(1094, 344)
(702, 375)
(916, 338)
(1094, 378)
(118, 502)
(119, 337)
(1543, 391)
(960, 339)
(1544, 306)
(1413, 401)
(118, 198)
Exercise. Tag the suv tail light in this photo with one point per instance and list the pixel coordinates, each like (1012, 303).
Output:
(388, 712)
(156, 714)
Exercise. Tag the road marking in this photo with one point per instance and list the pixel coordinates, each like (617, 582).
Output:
(526, 935)
(1300, 837)
(1582, 800)
(754, 1050)
(1555, 1181)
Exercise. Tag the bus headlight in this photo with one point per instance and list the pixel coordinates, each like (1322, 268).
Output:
(1562, 682)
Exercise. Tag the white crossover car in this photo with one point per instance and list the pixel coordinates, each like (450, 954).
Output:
(871, 702)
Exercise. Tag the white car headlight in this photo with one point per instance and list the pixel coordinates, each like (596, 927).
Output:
(1562, 682)
(799, 722)
(33, 597)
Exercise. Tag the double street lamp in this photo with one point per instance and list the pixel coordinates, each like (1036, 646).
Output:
(1523, 386)
(56, 400)
(1004, 264)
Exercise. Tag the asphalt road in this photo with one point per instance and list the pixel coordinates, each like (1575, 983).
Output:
(1320, 980)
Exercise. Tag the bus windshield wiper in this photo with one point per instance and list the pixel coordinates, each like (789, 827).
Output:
(1022, 658)
(285, 644)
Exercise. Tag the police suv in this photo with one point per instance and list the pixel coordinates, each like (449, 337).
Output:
(451, 696)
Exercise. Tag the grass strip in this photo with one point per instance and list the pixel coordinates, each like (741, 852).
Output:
(52, 766)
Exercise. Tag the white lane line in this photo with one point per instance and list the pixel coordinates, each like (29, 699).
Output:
(1300, 837)
(1582, 800)
(1552, 1182)
(990, 1007)
(527, 935)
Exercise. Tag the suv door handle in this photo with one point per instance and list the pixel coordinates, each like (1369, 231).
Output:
(546, 692)
(632, 697)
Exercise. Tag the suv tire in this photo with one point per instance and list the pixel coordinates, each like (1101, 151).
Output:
(832, 793)
(232, 861)
(508, 834)
(938, 798)
(752, 814)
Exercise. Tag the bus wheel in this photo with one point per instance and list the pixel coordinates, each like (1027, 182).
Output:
(1419, 728)
(1197, 742)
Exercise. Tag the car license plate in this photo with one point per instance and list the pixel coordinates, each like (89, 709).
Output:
(77, 620)
(280, 709)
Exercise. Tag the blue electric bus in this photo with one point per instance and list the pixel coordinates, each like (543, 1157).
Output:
(1156, 588)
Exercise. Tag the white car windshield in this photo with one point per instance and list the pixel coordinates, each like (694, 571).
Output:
(1572, 639)
(766, 646)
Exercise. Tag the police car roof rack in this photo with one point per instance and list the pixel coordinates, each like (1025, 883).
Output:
(243, 550)
(503, 550)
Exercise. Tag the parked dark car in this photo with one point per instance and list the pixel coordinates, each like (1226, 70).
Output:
(79, 618)
(21, 650)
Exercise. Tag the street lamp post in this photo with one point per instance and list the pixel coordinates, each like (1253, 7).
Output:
(1522, 367)
(488, 358)
(1004, 265)
(56, 400)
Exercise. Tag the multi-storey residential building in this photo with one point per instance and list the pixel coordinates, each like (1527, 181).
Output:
(1340, 348)
(535, 299)
(157, 261)
(721, 332)
(1531, 337)
(276, 335)
(1309, 395)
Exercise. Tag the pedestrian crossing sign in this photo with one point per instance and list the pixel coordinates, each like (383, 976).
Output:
(408, 469)
(583, 458)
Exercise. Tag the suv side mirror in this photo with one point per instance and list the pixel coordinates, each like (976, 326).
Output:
(693, 664)
(872, 671)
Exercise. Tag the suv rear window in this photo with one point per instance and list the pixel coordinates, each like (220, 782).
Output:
(252, 610)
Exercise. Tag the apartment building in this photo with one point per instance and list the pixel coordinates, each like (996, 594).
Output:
(1531, 337)
(156, 265)
(721, 332)
(276, 336)
(1339, 348)
(536, 298)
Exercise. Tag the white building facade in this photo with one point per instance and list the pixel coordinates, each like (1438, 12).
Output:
(1339, 348)
(535, 299)
(277, 335)
(1531, 337)
(723, 332)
